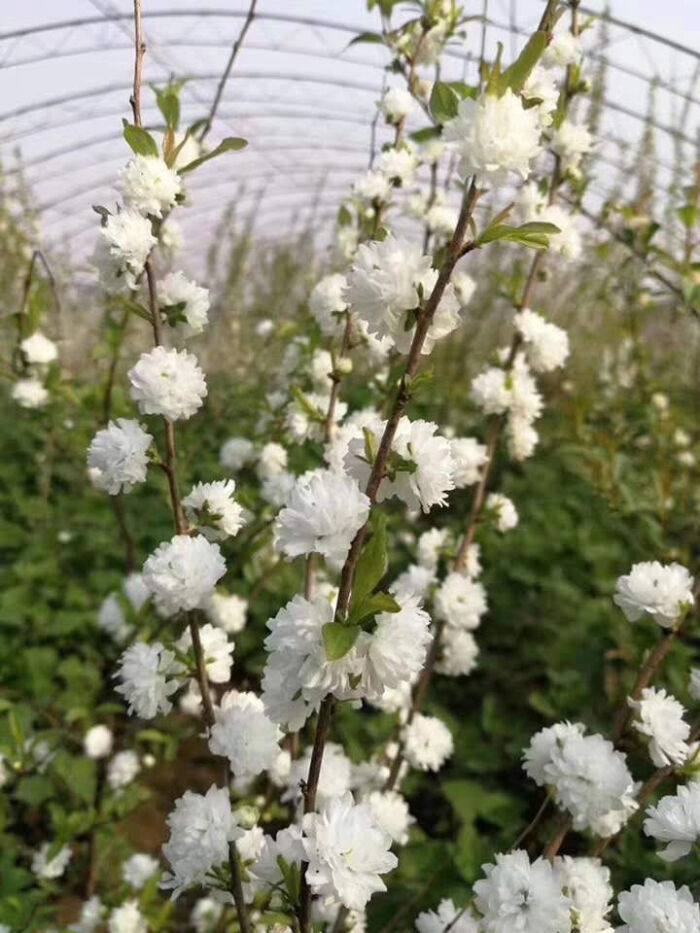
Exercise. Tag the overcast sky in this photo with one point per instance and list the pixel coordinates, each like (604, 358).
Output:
(302, 99)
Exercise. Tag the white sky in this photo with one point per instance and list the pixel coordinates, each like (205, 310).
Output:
(286, 96)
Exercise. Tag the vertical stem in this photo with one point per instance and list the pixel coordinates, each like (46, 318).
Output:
(170, 466)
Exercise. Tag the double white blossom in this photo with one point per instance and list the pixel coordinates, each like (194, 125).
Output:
(118, 456)
(168, 383)
(347, 852)
(663, 591)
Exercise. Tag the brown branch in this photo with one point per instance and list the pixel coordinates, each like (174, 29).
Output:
(227, 70)
(170, 467)
(471, 195)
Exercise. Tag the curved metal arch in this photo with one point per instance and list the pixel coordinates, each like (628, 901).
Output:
(315, 22)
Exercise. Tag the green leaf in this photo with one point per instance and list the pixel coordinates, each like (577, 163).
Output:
(169, 105)
(133, 307)
(426, 134)
(463, 90)
(443, 102)
(292, 878)
(344, 216)
(306, 405)
(230, 144)
(515, 76)
(688, 215)
(338, 639)
(534, 235)
(374, 38)
(34, 789)
(140, 140)
(371, 605)
(373, 562)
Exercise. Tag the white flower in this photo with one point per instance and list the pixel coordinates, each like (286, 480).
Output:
(298, 673)
(168, 383)
(427, 742)
(546, 345)
(98, 741)
(660, 717)
(286, 845)
(447, 916)
(244, 734)
(272, 460)
(391, 814)
(542, 85)
(137, 870)
(144, 674)
(504, 510)
(324, 512)
(663, 591)
(276, 489)
(387, 283)
(658, 907)
(228, 611)
(347, 852)
(469, 457)
(181, 573)
(236, 452)
(327, 304)
(398, 164)
(676, 820)
(29, 393)
(430, 545)
(587, 882)
(425, 472)
(459, 653)
(127, 919)
(563, 50)
(111, 619)
(118, 456)
(414, 581)
(494, 136)
(91, 915)
(491, 392)
(372, 186)
(201, 828)
(589, 777)
(148, 185)
(177, 289)
(38, 350)
(216, 648)
(568, 241)
(396, 104)
(571, 141)
(460, 601)
(334, 780)
(126, 239)
(171, 235)
(523, 896)
(212, 508)
(205, 915)
(522, 438)
(135, 591)
(54, 867)
(397, 648)
(464, 286)
(122, 769)
(525, 402)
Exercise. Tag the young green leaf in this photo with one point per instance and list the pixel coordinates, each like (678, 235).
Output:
(338, 639)
(371, 605)
(443, 102)
(372, 564)
(230, 144)
(140, 140)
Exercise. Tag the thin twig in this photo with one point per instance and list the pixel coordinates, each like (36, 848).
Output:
(227, 70)
(170, 467)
